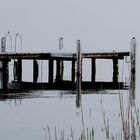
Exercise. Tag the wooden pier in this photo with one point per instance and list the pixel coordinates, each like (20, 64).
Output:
(56, 81)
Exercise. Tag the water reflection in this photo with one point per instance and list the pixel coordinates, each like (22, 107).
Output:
(35, 113)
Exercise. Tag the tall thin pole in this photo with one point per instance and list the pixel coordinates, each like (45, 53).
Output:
(133, 67)
(78, 95)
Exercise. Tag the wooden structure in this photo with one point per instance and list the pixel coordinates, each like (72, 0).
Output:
(57, 81)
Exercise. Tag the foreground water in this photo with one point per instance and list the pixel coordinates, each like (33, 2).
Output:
(30, 116)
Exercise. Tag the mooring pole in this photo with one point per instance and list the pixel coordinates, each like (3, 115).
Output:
(78, 95)
(133, 67)
(60, 64)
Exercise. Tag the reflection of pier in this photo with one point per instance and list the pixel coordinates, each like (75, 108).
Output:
(56, 81)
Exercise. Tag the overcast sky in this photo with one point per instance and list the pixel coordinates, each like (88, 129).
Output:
(99, 24)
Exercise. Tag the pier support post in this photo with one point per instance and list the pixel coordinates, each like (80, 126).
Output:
(73, 71)
(51, 67)
(115, 70)
(35, 71)
(5, 74)
(79, 74)
(93, 69)
(59, 70)
(19, 71)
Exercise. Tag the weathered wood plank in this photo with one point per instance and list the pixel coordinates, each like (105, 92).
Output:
(63, 56)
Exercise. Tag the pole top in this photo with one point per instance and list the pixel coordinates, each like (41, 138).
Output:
(133, 41)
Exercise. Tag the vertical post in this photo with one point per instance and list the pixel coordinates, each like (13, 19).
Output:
(35, 71)
(51, 67)
(15, 72)
(115, 70)
(60, 43)
(73, 71)
(3, 44)
(5, 74)
(78, 95)
(59, 70)
(19, 73)
(93, 69)
(133, 67)
(1, 74)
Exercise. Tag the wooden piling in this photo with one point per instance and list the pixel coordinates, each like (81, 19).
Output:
(115, 70)
(59, 70)
(3, 44)
(50, 75)
(35, 71)
(19, 73)
(73, 71)
(78, 95)
(5, 74)
(93, 69)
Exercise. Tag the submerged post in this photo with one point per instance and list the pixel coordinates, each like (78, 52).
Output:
(133, 67)
(78, 95)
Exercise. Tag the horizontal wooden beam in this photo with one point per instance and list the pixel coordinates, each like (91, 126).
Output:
(69, 85)
(118, 55)
(62, 56)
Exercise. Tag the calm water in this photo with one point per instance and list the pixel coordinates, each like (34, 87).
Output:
(27, 117)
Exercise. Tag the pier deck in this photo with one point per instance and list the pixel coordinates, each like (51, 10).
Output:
(56, 81)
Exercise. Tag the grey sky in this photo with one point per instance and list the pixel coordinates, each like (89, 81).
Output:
(100, 24)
